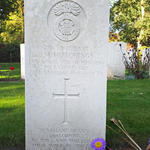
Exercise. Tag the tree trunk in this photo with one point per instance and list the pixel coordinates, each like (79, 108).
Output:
(142, 17)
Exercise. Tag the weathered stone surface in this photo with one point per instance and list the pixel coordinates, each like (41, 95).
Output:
(66, 69)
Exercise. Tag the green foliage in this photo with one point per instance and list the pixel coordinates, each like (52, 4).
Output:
(12, 28)
(126, 18)
(6, 6)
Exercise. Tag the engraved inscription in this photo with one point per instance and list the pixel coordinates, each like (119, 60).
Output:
(66, 16)
(62, 138)
(66, 60)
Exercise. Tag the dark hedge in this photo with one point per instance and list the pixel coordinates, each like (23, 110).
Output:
(9, 53)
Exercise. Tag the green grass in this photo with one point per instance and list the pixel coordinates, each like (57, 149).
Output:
(12, 114)
(7, 74)
(128, 101)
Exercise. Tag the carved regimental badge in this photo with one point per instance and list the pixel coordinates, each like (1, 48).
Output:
(66, 17)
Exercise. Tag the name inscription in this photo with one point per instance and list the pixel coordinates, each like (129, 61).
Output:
(66, 60)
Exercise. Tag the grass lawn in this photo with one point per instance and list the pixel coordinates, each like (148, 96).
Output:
(128, 101)
(7, 74)
(12, 112)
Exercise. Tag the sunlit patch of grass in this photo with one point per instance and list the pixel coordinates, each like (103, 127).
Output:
(4, 70)
(12, 114)
(129, 101)
(7, 74)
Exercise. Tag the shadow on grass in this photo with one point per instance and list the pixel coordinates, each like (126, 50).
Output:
(14, 148)
(7, 109)
(12, 128)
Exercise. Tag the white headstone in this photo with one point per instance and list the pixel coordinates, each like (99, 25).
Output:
(116, 67)
(66, 73)
(146, 57)
(22, 60)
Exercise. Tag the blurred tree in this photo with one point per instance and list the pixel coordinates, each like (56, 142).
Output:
(131, 20)
(12, 28)
(144, 24)
(6, 6)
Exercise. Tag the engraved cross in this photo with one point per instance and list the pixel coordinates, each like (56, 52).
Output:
(65, 96)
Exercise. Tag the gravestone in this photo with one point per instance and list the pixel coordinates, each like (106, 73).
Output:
(146, 56)
(116, 67)
(22, 60)
(66, 73)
